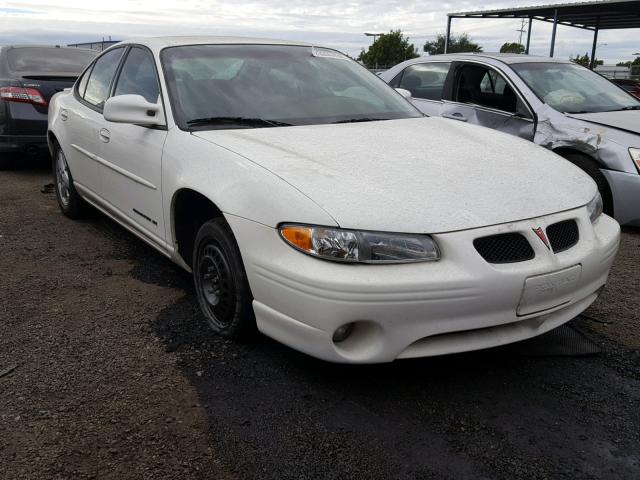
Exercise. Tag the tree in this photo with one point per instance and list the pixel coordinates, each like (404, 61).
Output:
(459, 44)
(585, 60)
(514, 47)
(388, 50)
(629, 63)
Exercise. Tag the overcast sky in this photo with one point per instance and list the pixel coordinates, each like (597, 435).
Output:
(336, 23)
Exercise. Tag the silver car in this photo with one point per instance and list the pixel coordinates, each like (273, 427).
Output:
(554, 103)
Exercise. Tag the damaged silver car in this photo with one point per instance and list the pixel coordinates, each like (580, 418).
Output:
(557, 104)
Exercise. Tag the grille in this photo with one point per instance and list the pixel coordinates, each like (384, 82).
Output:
(504, 248)
(563, 235)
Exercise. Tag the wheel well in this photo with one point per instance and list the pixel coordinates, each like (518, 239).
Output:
(190, 210)
(52, 141)
(564, 151)
(591, 166)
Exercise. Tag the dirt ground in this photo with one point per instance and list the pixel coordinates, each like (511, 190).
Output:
(114, 375)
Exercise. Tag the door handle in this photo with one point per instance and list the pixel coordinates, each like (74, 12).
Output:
(64, 115)
(105, 135)
(455, 116)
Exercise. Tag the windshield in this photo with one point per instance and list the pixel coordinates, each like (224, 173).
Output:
(571, 88)
(249, 86)
(49, 60)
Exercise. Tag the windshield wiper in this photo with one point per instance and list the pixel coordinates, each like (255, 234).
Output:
(630, 107)
(356, 120)
(249, 122)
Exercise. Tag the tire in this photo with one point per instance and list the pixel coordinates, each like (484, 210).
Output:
(70, 202)
(221, 282)
(591, 168)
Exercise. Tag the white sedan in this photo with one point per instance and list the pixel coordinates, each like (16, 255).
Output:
(313, 202)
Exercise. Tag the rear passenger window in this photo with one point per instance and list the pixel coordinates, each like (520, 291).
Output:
(138, 76)
(425, 80)
(99, 82)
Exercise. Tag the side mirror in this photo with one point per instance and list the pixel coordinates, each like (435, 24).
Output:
(133, 109)
(404, 92)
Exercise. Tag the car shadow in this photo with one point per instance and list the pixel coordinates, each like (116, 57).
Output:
(27, 164)
(485, 414)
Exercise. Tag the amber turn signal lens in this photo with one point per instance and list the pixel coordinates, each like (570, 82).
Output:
(635, 155)
(298, 236)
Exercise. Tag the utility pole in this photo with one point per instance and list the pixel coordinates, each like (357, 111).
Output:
(521, 30)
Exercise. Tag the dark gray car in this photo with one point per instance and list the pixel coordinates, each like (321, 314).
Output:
(554, 103)
(29, 76)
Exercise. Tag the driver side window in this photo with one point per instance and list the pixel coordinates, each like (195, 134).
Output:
(482, 86)
(138, 76)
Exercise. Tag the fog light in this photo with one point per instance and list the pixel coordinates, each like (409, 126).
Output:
(342, 333)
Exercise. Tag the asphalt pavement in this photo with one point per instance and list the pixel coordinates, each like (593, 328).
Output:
(108, 370)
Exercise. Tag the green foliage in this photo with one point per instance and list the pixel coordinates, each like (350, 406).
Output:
(585, 60)
(514, 47)
(460, 44)
(387, 50)
(629, 63)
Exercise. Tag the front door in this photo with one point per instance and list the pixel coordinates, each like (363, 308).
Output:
(483, 96)
(132, 154)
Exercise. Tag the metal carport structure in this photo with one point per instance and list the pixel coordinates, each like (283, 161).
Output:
(594, 16)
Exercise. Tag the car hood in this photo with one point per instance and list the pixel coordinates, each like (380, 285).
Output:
(426, 175)
(625, 120)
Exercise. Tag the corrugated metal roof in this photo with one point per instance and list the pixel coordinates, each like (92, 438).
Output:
(603, 15)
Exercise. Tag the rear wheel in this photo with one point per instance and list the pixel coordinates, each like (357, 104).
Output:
(221, 282)
(69, 201)
(591, 168)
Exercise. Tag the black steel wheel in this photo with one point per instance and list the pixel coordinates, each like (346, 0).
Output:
(221, 282)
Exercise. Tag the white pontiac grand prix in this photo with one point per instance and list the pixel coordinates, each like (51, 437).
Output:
(313, 202)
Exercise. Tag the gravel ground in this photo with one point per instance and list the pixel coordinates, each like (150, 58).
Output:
(116, 376)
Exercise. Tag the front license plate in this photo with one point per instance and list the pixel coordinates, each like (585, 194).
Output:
(549, 290)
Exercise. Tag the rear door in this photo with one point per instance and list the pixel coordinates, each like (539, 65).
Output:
(132, 169)
(84, 121)
(484, 96)
(426, 82)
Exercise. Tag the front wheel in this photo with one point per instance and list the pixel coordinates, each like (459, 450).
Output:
(591, 168)
(69, 201)
(221, 282)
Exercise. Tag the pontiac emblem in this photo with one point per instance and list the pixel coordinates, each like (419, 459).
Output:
(541, 235)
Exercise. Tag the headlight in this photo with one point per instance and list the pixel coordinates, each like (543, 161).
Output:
(635, 155)
(360, 247)
(594, 207)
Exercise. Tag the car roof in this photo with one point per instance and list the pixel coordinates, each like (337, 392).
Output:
(159, 43)
(36, 45)
(508, 58)
(6, 48)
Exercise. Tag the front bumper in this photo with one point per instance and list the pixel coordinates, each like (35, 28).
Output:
(457, 304)
(625, 188)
